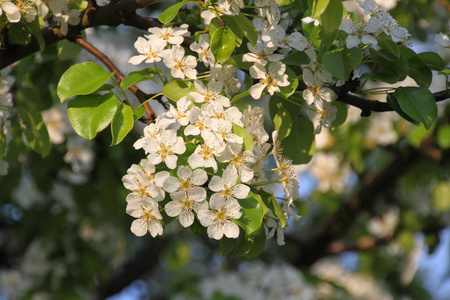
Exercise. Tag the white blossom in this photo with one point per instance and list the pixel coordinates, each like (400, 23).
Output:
(226, 187)
(203, 49)
(148, 216)
(181, 66)
(173, 36)
(150, 51)
(211, 93)
(272, 79)
(180, 114)
(165, 148)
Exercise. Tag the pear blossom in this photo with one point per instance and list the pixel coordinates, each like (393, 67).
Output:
(180, 113)
(357, 33)
(442, 40)
(215, 110)
(272, 79)
(67, 16)
(149, 51)
(158, 178)
(26, 8)
(151, 132)
(42, 8)
(238, 159)
(270, 10)
(308, 20)
(204, 157)
(317, 95)
(227, 75)
(226, 187)
(140, 185)
(220, 131)
(181, 66)
(294, 40)
(56, 124)
(165, 148)
(236, 5)
(322, 116)
(218, 219)
(183, 203)
(197, 122)
(147, 213)
(261, 54)
(185, 180)
(12, 12)
(173, 36)
(210, 93)
(203, 49)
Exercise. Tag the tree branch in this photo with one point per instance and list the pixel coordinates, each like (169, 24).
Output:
(140, 95)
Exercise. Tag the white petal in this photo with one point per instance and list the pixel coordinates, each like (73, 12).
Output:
(241, 191)
(186, 218)
(171, 184)
(139, 227)
(173, 208)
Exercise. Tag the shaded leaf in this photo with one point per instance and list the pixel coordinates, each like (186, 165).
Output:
(122, 123)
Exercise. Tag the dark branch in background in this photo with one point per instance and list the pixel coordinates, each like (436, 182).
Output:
(140, 95)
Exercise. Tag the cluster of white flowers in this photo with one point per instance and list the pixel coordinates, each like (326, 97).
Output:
(378, 19)
(15, 10)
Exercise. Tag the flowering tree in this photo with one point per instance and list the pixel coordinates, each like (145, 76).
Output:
(251, 96)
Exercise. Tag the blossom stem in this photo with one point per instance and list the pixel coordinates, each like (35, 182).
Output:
(151, 98)
(264, 182)
(159, 74)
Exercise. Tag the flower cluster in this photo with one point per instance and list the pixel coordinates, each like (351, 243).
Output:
(15, 10)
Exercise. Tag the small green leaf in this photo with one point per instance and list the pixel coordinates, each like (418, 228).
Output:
(122, 123)
(137, 76)
(176, 89)
(3, 144)
(90, 114)
(138, 112)
(441, 196)
(385, 42)
(318, 7)
(341, 114)
(81, 79)
(296, 58)
(341, 62)
(392, 101)
(240, 96)
(213, 26)
(248, 141)
(222, 43)
(418, 69)
(443, 136)
(284, 2)
(300, 146)
(259, 241)
(282, 121)
(236, 60)
(433, 60)
(35, 131)
(247, 28)
(287, 91)
(19, 33)
(252, 213)
(243, 245)
(274, 206)
(171, 12)
(36, 31)
(418, 103)
(331, 18)
(226, 245)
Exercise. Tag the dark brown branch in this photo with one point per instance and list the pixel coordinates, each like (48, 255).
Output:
(140, 95)
(367, 106)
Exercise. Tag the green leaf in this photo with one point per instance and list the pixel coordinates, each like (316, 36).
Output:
(318, 7)
(331, 18)
(226, 245)
(284, 2)
(233, 25)
(385, 42)
(258, 245)
(418, 103)
(296, 58)
(443, 136)
(433, 60)
(390, 69)
(81, 79)
(138, 112)
(138, 76)
(418, 69)
(299, 145)
(36, 31)
(274, 206)
(282, 121)
(222, 43)
(243, 245)
(3, 144)
(252, 213)
(171, 12)
(236, 60)
(341, 114)
(19, 33)
(213, 26)
(240, 96)
(341, 62)
(418, 134)
(122, 123)
(247, 28)
(441, 196)
(287, 91)
(392, 101)
(90, 114)
(35, 131)
(176, 89)
(248, 140)
(326, 43)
